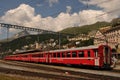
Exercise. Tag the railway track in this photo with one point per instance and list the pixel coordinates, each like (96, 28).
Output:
(55, 72)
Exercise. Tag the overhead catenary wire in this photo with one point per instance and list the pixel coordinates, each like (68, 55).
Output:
(109, 12)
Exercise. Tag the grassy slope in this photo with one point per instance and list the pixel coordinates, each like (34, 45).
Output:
(85, 29)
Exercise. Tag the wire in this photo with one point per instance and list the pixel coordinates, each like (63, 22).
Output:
(103, 2)
(108, 12)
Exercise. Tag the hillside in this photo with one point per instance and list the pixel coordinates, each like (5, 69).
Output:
(85, 29)
(18, 35)
(26, 40)
(30, 39)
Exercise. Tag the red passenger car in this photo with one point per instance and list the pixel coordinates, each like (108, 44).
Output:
(99, 56)
(92, 55)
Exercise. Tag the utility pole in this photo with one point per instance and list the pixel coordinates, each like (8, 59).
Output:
(87, 4)
(38, 37)
(59, 40)
(7, 33)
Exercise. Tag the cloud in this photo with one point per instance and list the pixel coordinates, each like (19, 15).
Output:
(25, 15)
(110, 6)
(51, 2)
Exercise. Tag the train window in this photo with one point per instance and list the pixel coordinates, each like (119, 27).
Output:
(44, 54)
(25, 56)
(68, 54)
(106, 50)
(51, 54)
(81, 53)
(58, 54)
(35, 55)
(88, 53)
(74, 54)
(63, 54)
(54, 54)
(40, 55)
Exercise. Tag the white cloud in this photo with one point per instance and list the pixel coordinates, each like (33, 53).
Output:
(106, 5)
(51, 2)
(25, 15)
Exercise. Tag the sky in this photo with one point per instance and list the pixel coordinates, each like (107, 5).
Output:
(56, 15)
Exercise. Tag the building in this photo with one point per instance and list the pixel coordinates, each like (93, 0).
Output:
(99, 38)
(80, 37)
(91, 34)
(110, 37)
(113, 36)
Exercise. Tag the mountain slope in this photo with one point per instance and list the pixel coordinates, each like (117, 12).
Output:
(29, 39)
(85, 29)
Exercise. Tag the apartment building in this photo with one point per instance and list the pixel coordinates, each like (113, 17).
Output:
(113, 36)
(110, 37)
(81, 37)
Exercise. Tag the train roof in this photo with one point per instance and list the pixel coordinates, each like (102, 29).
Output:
(28, 51)
(60, 50)
(80, 48)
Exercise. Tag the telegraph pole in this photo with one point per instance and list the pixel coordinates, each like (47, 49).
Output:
(59, 40)
(7, 33)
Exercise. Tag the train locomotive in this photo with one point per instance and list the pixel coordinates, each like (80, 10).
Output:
(95, 56)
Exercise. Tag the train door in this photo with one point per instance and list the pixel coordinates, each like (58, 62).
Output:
(106, 55)
(96, 57)
(47, 56)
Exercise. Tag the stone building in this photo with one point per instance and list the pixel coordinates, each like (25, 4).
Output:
(110, 37)
(81, 37)
(99, 38)
(113, 36)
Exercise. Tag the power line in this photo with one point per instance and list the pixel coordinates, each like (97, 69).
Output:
(108, 12)
(25, 28)
(103, 2)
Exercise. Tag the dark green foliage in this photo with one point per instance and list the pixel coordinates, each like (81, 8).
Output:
(86, 43)
(64, 41)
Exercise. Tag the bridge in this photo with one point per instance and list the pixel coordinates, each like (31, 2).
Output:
(40, 31)
(8, 26)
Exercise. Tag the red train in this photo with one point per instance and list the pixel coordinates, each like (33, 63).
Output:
(99, 56)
